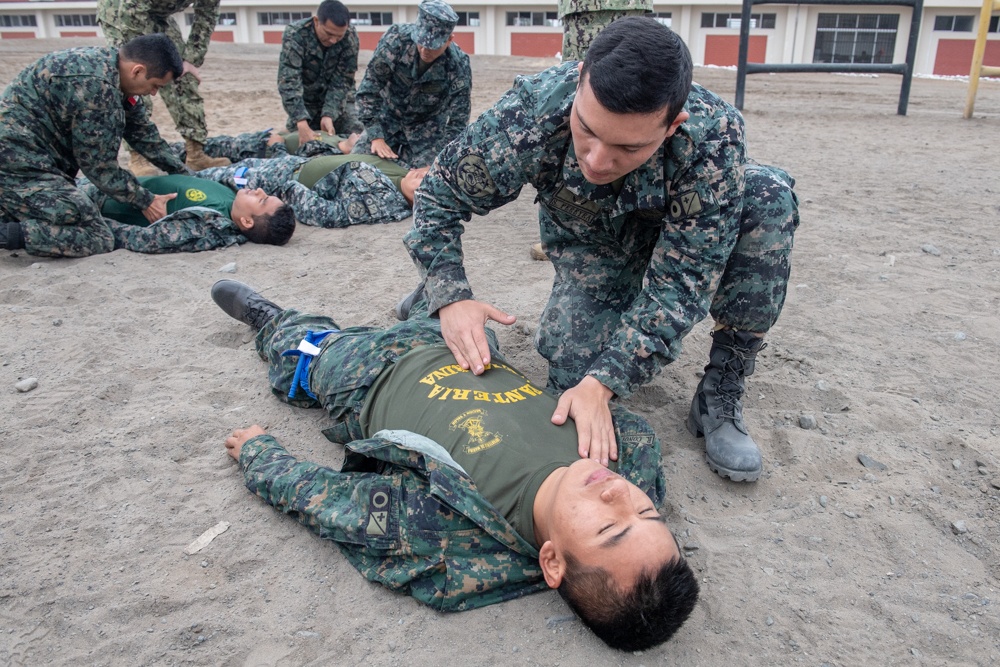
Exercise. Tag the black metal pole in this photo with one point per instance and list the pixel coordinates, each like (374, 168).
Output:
(741, 68)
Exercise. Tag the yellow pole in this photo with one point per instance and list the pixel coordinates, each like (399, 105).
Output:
(977, 70)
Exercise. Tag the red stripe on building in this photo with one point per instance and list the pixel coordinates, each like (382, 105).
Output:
(954, 56)
(535, 44)
(724, 50)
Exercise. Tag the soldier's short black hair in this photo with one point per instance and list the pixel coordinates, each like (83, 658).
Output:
(272, 228)
(333, 10)
(156, 52)
(637, 619)
(638, 65)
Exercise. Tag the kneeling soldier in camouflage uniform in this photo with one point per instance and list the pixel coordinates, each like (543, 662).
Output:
(456, 488)
(319, 58)
(203, 215)
(415, 96)
(651, 217)
(67, 113)
(329, 191)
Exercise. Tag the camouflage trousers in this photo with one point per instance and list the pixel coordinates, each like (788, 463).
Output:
(57, 218)
(350, 361)
(576, 324)
(183, 101)
(580, 29)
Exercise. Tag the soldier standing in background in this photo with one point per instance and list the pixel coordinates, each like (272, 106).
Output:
(122, 20)
(319, 58)
(68, 112)
(416, 93)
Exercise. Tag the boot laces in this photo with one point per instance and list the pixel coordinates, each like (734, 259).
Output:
(730, 388)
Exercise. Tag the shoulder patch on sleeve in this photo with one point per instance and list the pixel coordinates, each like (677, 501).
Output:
(696, 200)
(474, 177)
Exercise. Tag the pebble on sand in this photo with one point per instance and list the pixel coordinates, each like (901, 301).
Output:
(27, 384)
(228, 268)
(959, 527)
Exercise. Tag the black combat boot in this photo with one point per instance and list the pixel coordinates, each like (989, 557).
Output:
(717, 411)
(243, 303)
(10, 236)
(402, 309)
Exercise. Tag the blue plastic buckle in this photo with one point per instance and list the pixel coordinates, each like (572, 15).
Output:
(307, 349)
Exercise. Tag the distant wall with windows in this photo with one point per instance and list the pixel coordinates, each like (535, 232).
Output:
(778, 33)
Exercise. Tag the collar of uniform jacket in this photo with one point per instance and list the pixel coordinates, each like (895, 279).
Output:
(448, 481)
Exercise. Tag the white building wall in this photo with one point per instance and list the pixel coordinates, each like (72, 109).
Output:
(791, 41)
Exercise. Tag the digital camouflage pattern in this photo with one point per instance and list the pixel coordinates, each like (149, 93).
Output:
(416, 114)
(123, 20)
(440, 542)
(186, 230)
(64, 114)
(583, 19)
(316, 81)
(634, 271)
(355, 193)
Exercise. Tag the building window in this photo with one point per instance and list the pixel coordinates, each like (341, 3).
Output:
(994, 24)
(281, 18)
(468, 18)
(663, 17)
(371, 18)
(17, 21)
(75, 20)
(550, 19)
(714, 20)
(225, 18)
(855, 38)
(954, 23)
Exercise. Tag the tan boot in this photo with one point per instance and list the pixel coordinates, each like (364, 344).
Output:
(538, 254)
(140, 166)
(197, 160)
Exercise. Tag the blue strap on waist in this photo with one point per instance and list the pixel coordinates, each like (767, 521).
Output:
(306, 350)
(240, 177)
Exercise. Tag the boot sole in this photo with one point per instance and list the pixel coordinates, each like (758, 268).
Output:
(721, 471)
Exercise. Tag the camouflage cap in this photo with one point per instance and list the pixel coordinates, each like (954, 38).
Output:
(435, 22)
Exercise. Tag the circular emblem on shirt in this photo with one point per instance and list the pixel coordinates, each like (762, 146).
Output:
(474, 178)
(195, 195)
(356, 210)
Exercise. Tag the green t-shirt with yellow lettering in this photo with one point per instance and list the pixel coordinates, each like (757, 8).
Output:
(191, 191)
(497, 425)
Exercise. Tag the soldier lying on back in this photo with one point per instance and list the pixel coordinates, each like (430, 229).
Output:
(201, 215)
(456, 488)
(328, 190)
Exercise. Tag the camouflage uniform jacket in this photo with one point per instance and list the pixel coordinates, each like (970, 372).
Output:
(690, 190)
(313, 80)
(577, 6)
(410, 519)
(67, 113)
(394, 99)
(143, 17)
(353, 194)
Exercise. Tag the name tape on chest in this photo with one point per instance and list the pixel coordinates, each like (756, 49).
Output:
(566, 202)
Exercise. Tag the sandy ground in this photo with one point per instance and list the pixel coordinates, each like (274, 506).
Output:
(890, 340)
